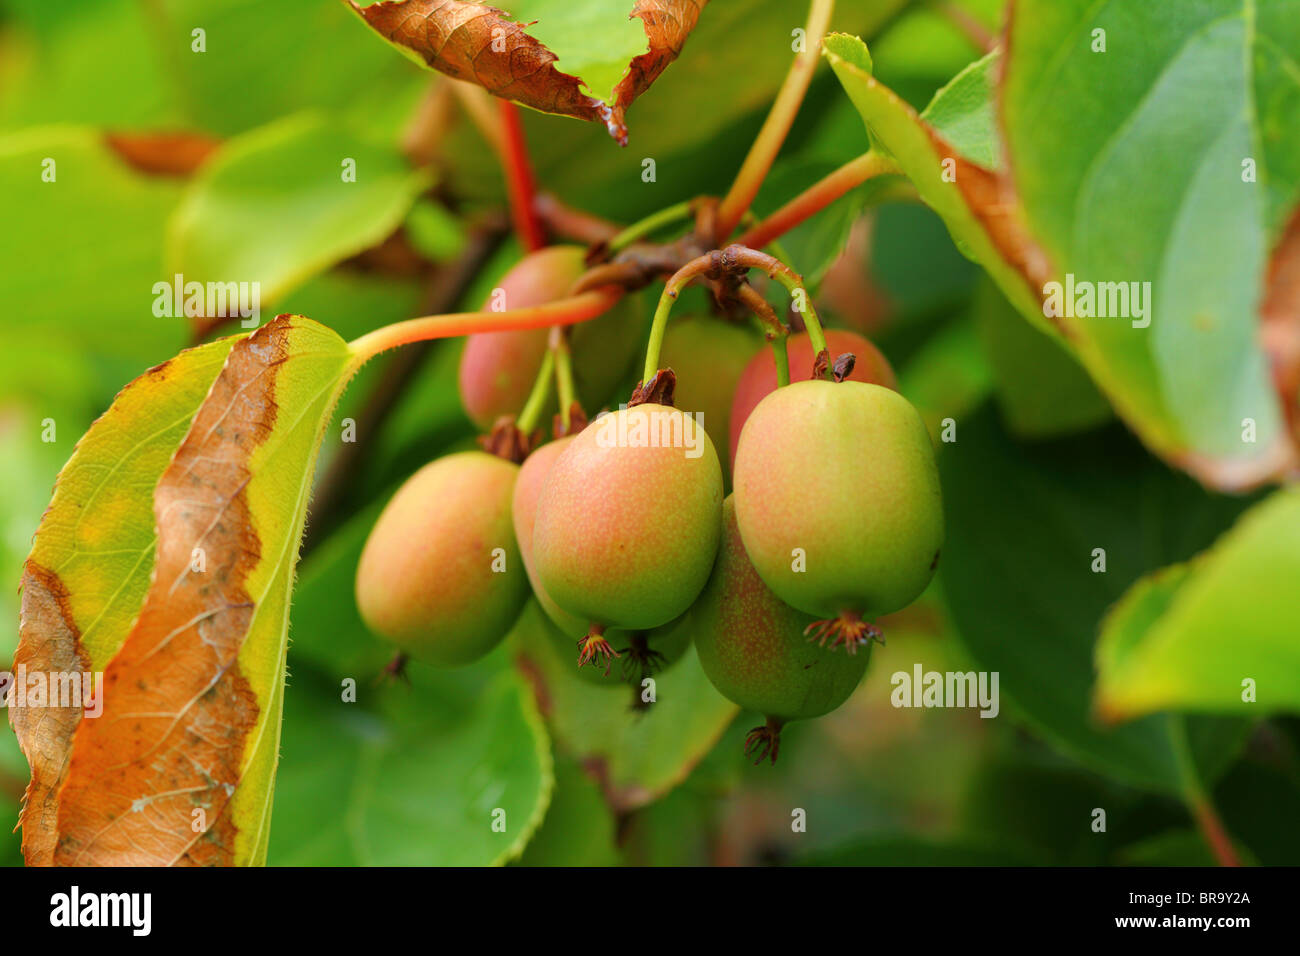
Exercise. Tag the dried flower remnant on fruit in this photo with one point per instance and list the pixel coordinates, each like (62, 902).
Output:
(764, 742)
(843, 367)
(658, 391)
(848, 629)
(821, 363)
(508, 441)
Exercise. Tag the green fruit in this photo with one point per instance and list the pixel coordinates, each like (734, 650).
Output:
(708, 357)
(497, 369)
(753, 647)
(628, 519)
(837, 499)
(759, 377)
(441, 575)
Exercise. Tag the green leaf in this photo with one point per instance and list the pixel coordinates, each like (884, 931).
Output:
(206, 648)
(419, 779)
(1191, 637)
(1041, 388)
(90, 248)
(1129, 166)
(637, 755)
(1024, 525)
(579, 829)
(961, 192)
(962, 113)
(283, 203)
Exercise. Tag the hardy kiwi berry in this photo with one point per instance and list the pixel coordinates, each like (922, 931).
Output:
(837, 500)
(752, 646)
(441, 575)
(628, 521)
(497, 369)
(759, 377)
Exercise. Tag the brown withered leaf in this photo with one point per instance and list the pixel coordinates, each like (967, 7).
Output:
(485, 45)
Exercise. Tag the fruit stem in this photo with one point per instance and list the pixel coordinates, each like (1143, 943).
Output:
(782, 356)
(541, 391)
(559, 343)
(568, 311)
(664, 217)
(520, 182)
(1198, 801)
(779, 120)
(657, 327)
(570, 223)
(818, 196)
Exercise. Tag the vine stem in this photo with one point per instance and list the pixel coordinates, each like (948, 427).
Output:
(664, 217)
(818, 196)
(779, 120)
(733, 260)
(578, 308)
(559, 348)
(520, 182)
(541, 391)
(1198, 801)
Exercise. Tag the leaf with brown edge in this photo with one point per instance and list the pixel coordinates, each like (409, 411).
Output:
(605, 63)
(85, 579)
(179, 767)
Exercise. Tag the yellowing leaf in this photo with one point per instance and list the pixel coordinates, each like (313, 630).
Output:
(179, 767)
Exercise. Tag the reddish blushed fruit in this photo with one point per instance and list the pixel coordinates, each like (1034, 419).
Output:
(753, 648)
(441, 575)
(532, 475)
(838, 503)
(759, 377)
(497, 369)
(708, 357)
(628, 521)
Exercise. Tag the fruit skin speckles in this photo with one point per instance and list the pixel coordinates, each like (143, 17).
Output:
(441, 575)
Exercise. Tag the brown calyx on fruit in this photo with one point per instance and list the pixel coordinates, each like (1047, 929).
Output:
(848, 629)
(395, 669)
(506, 440)
(639, 659)
(658, 391)
(577, 422)
(764, 742)
(821, 363)
(594, 647)
(843, 366)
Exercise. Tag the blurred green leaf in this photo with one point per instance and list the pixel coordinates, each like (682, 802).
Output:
(1129, 165)
(1041, 388)
(282, 203)
(962, 113)
(948, 377)
(1024, 522)
(638, 755)
(90, 248)
(1191, 636)
(578, 829)
(416, 780)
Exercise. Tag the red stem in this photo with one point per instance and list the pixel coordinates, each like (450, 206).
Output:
(816, 198)
(1213, 831)
(520, 182)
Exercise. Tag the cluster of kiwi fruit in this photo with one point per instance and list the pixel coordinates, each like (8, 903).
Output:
(632, 550)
